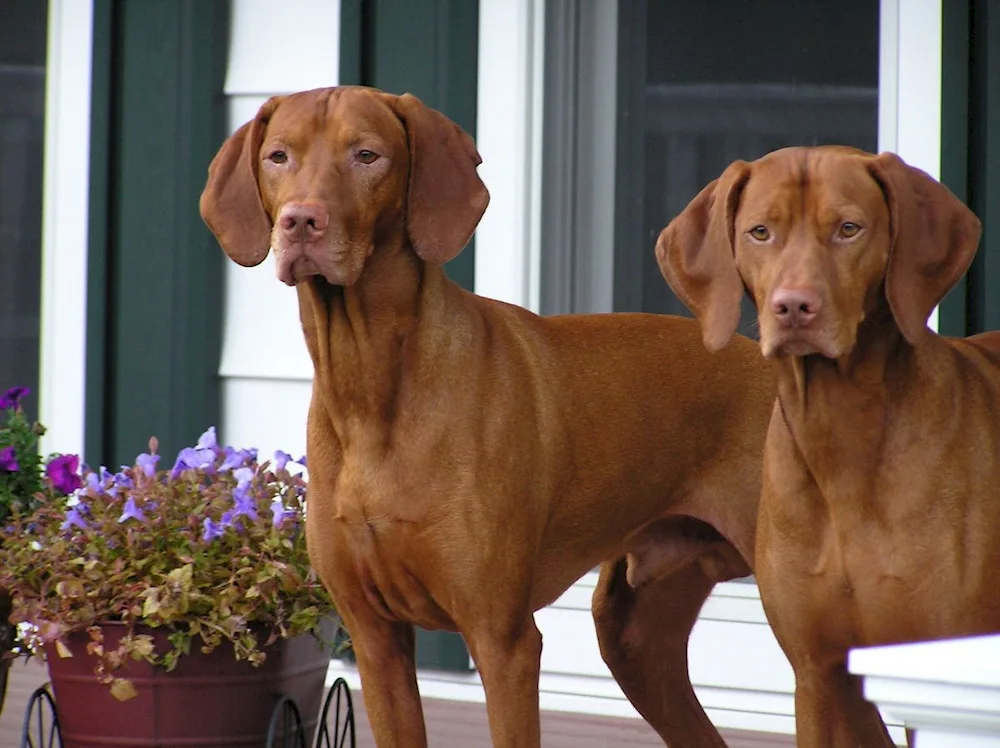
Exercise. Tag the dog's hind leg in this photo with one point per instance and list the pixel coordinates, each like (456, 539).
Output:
(643, 635)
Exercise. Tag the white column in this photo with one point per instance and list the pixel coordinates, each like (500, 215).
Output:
(910, 85)
(509, 138)
(65, 206)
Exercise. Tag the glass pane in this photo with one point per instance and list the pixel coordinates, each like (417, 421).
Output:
(727, 80)
(22, 106)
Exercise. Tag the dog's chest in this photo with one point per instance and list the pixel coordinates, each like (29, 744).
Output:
(384, 523)
(869, 584)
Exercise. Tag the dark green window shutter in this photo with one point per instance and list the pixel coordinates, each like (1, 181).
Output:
(154, 323)
(970, 153)
(428, 48)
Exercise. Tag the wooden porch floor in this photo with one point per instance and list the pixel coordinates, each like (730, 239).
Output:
(454, 724)
(450, 724)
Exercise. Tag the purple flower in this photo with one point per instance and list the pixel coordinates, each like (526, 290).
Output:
(12, 397)
(278, 512)
(241, 494)
(281, 459)
(243, 476)
(62, 472)
(74, 518)
(237, 458)
(8, 460)
(208, 440)
(193, 459)
(302, 461)
(245, 507)
(213, 530)
(123, 478)
(100, 483)
(148, 463)
(131, 512)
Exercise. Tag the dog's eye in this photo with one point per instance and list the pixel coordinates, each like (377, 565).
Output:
(367, 157)
(760, 233)
(277, 157)
(848, 230)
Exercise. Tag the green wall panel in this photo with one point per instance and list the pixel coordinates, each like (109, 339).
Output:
(155, 279)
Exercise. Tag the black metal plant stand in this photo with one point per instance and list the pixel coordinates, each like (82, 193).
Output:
(41, 722)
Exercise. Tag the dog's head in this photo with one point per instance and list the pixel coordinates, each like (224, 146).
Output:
(820, 238)
(326, 176)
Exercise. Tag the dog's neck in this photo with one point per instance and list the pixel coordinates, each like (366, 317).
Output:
(838, 412)
(368, 340)
(363, 338)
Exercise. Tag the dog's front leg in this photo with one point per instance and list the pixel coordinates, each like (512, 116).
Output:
(831, 711)
(508, 658)
(385, 655)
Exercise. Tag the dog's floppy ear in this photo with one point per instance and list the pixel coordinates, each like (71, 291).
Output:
(230, 203)
(695, 253)
(934, 238)
(446, 196)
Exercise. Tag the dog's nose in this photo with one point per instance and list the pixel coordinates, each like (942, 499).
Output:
(795, 307)
(303, 222)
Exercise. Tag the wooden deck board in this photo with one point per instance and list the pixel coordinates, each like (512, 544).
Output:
(450, 724)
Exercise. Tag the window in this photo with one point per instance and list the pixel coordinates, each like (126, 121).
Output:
(649, 101)
(22, 107)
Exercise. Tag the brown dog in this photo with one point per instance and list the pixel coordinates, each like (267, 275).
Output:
(469, 460)
(880, 512)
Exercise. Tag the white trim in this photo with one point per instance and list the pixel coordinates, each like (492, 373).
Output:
(65, 205)
(533, 200)
(911, 100)
(733, 709)
(508, 136)
(918, 85)
(577, 217)
(948, 691)
(888, 74)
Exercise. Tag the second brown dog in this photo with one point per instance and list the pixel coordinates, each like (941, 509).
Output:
(880, 512)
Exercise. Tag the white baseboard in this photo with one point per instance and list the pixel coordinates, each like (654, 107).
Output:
(578, 694)
(739, 672)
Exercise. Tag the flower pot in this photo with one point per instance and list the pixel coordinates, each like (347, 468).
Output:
(207, 700)
(6, 643)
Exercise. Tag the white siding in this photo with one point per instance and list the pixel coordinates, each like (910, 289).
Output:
(265, 368)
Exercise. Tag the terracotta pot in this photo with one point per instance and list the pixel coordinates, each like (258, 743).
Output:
(207, 700)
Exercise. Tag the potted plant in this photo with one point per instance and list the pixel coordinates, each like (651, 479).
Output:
(21, 481)
(184, 588)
